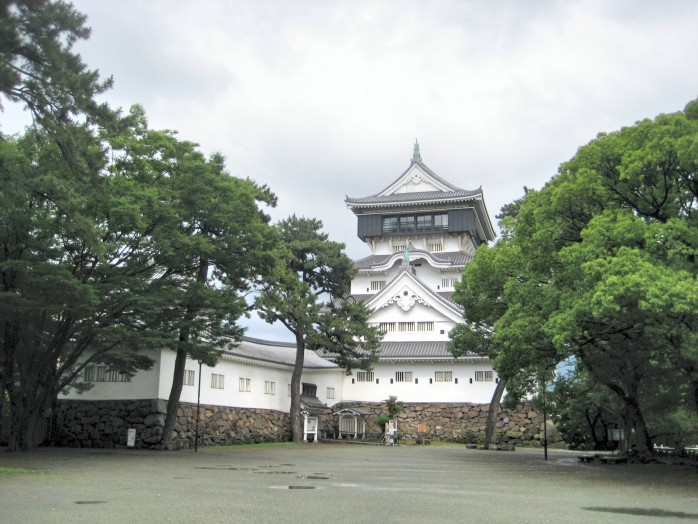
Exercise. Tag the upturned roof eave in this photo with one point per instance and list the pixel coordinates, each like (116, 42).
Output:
(439, 197)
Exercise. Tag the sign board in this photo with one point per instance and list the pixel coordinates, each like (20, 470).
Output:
(421, 428)
(131, 437)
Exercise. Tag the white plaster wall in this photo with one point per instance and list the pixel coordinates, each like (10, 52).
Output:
(363, 282)
(418, 313)
(422, 391)
(143, 385)
(258, 374)
(231, 395)
(323, 380)
(450, 242)
(431, 277)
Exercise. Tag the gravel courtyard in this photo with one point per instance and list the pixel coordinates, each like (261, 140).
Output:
(337, 483)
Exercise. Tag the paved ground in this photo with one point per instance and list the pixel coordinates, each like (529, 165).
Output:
(337, 483)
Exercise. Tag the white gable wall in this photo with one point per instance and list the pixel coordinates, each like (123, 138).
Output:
(418, 313)
(415, 179)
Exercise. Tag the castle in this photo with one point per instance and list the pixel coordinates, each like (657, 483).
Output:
(421, 231)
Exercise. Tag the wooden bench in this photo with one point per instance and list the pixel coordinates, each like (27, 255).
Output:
(424, 440)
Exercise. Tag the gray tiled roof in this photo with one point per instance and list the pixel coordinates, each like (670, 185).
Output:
(313, 405)
(275, 352)
(446, 294)
(415, 350)
(455, 192)
(421, 196)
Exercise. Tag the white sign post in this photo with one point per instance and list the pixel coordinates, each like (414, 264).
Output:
(131, 437)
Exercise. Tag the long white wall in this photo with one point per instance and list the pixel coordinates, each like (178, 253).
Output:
(157, 382)
(463, 388)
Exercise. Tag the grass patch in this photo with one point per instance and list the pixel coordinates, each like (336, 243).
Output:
(10, 470)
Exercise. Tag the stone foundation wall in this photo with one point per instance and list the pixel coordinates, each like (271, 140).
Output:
(105, 424)
(465, 423)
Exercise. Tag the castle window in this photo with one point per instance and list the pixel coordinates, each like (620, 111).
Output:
(309, 390)
(269, 388)
(424, 223)
(245, 385)
(403, 376)
(436, 247)
(387, 327)
(448, 283)
(443, 376)
(406, 327)
(483, 376)
(390, 225)
(411, 223)
(330, 393)
(406, 223)
(377, 285)
(364, 376)
(425, 326)
(104, 374)
(397, 248)
(217, 381)
(189, 377)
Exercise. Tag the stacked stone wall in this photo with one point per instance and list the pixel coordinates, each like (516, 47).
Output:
(464, 423)
(105, 424)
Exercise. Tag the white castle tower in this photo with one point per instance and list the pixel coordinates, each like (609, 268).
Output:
(422, 231)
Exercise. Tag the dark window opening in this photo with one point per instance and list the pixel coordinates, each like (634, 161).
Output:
(411, 223)
(309, 390)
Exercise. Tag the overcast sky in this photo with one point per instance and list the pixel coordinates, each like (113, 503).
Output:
(323, 99)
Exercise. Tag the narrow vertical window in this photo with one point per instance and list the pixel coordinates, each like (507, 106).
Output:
(217, 381)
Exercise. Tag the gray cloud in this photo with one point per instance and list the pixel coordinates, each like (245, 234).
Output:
(325, 99)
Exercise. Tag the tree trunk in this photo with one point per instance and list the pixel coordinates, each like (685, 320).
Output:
(643, 442)
(175, 394)
(180, 364)
(27, 406)
(493, 411)
(295, 415)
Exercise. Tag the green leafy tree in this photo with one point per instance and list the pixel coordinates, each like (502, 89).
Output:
(609, 250)
(38, 68)
(501, 321)
(69, 281)
(54, 213)
(207, 242)
(585, 411)
(308, 294)
(159, 240)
